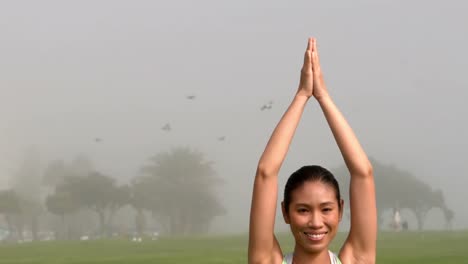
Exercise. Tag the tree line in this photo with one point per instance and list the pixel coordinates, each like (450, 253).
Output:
(397, 188)
(176, 188)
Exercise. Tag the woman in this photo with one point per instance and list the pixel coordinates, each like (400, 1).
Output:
(312, 205)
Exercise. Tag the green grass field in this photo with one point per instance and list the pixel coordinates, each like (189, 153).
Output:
(395, 248)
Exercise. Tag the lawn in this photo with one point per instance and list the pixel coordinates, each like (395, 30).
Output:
(395, 248)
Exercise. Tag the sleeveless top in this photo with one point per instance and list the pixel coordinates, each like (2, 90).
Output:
(333, 257)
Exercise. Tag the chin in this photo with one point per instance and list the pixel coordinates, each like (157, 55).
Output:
(317, 248)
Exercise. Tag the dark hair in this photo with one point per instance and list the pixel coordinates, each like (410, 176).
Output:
(309, 173)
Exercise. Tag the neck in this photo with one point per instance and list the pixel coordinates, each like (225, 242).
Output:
(302, 257)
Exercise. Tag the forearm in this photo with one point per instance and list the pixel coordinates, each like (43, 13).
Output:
(278, 145)
(354, 156)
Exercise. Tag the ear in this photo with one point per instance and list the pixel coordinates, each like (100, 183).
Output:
(342, 208)
(285, 214)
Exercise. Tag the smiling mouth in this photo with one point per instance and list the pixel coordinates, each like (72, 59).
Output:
(315, 236)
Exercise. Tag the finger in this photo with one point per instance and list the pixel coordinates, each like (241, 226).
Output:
(315, 57)
(315, 65)
(308, 56)
(310, 44)
(307, 59)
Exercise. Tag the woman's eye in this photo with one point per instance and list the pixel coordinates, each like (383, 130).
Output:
(302, 210)
(327, 209)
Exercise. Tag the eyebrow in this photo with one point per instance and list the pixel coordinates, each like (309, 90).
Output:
(321, 204)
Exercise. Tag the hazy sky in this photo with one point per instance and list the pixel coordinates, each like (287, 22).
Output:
(120, 70)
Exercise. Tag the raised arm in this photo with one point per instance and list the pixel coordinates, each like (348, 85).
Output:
(263, 247)
(360, 246)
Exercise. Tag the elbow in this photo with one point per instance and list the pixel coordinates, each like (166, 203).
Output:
(266, 171)
(368, 171)
(365, 171)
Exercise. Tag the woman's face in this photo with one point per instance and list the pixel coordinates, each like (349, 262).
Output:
(313, 216)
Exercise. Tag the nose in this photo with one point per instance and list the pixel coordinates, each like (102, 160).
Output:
(315, 221)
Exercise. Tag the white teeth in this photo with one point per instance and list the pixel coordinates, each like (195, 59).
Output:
(316, 236)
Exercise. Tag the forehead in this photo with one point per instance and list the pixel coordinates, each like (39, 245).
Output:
(311, 192)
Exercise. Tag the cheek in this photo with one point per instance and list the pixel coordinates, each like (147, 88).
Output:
(333, 219)
(298, 219)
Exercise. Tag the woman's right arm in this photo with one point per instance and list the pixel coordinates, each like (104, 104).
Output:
(263, 247)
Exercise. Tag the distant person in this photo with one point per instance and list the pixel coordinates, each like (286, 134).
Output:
(312, 205)
(396, 220)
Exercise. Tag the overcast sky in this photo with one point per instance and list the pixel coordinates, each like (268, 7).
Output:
(120, 70)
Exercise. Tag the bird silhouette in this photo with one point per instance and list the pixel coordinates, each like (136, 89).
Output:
(191, 97)
(266, 106)
(222, 138)
(97, 139)
(166, 127)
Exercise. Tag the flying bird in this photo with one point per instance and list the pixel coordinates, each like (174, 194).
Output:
(166, 127)
(191, 97)
(267, 106)
(97, 139)
(222, 138)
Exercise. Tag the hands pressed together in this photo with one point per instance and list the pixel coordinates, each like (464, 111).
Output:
(311, 82)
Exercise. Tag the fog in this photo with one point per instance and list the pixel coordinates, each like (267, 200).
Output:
(71, 72)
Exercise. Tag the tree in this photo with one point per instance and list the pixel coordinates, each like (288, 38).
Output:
(179, 188)
(61, 177)
(141, 198)
(31, 210)
(119, 196)
(449, 214)
(27, 184)
(99, 193)
(57, 170)
(9, 207)
(62, 203)
(396, 188)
